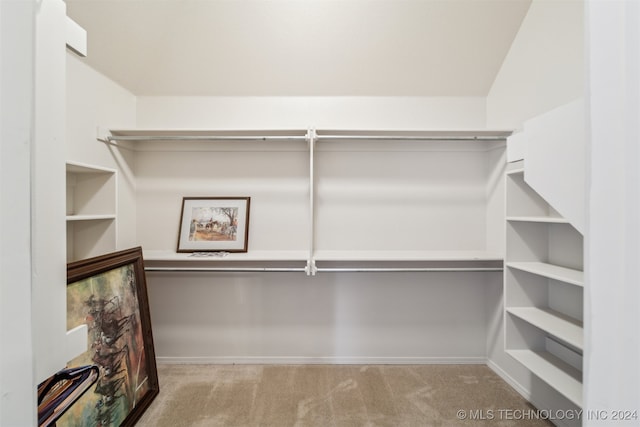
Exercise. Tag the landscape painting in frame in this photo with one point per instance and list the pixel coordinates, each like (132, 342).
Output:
(109, 294)
(214, 224)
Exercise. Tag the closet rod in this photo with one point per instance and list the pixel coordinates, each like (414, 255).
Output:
(410, 138)
(405, 270)
(321, 269)
(227, 269)
(112, 138)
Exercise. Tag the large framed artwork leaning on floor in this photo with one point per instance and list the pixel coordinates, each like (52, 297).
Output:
(109, 294)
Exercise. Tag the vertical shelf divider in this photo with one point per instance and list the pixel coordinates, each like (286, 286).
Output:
(311, 269)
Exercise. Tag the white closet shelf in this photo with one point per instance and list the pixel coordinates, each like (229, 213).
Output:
(289, 139)
(90, 217)
(202, 135)
(262, 256)
(543, 219)
(561, 376)
(374, 256)
(78, 167)
(334, 261)
(321, 134)
(554, 323)
(379, 256)
(425, 134)
(563, 274)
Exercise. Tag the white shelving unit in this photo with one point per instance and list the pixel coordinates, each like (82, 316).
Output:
(91, 210)
(543, 288)
(317, 187)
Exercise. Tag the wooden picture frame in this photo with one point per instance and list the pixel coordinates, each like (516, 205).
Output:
(109, 294)
(214, 224)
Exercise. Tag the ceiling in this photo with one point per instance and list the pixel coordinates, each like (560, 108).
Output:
(300, 47)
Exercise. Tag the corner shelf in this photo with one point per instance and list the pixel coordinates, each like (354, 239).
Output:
(544, 283)
(91, 210)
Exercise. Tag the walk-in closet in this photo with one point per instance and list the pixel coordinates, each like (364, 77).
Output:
(319, 213)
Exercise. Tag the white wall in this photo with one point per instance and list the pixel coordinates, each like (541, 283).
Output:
(330, 318)
(33, 322)
(275, 179)
(17, 378)
(366, 200)
(47, 183)
(612, 295)
(397, 196)
(371, 113)
(544, 67)
(494, 216)
(94, 101)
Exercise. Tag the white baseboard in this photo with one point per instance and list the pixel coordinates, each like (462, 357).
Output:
(329, 360)
(509, 380)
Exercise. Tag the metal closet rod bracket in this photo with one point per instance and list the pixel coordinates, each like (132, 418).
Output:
(311, 268)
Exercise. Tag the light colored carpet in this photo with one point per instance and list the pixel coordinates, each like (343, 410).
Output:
(335, 396)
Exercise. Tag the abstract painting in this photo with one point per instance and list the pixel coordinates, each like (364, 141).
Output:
(109, 294)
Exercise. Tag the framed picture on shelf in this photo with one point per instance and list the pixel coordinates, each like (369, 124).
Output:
(214, 224)
(109, 294)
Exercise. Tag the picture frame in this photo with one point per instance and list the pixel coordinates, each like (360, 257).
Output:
(214, 224)
(109, 294)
